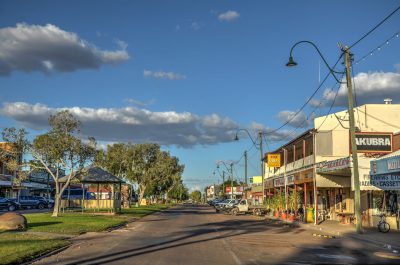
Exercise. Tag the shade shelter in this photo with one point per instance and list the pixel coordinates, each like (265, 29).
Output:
(93, 177)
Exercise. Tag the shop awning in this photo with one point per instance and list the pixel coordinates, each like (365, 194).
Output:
(339, 167)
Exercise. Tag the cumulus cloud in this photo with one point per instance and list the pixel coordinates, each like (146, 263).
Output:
(50, 49)
(139, 103)
(163, 75)
(293, 120)
(270, 133)
(133, 124)
(228, 16)
(370, 87)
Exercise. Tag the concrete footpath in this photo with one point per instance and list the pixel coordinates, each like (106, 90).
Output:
(390, 240)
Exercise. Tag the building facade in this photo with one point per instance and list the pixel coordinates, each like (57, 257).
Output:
(317, 168)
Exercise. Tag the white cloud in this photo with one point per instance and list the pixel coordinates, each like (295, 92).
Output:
(196, 26)
(139, 103)
(270, 133)
(49, 49)
(163, 75)
(397, 67)
(370, 87)
(228, 16)
(131, 124)
(290, 117)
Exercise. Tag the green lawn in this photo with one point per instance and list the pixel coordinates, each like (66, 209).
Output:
(16, 247)
(142, 210)
(78, 223)
(71, 223)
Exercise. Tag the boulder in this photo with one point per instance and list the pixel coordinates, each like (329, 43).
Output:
(13, 221)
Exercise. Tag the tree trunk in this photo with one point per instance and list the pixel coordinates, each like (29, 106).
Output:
(57, 200)
(142, 189)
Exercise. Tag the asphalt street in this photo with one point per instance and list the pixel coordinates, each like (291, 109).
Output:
(190, 234)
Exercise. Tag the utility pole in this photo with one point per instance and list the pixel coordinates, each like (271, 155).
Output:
(260, 134)
(245, 167)
(356, 178)
(223, 183)
(231, 180)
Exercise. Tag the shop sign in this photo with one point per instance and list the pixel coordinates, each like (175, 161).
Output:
(374, 142)
(386, 182)
(393, 164)
(333, 165)
(303, 178)
(236, 190)
(274, 160)
(290, 180)
(256, 180)
(279, 182)
(380, 182)
(385, 165)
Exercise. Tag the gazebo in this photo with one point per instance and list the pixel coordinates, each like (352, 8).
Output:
(93, 176)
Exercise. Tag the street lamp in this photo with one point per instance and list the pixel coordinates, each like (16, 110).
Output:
(260, 135)
(347, 62)
(229, 171)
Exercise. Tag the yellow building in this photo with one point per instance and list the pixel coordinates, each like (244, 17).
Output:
(317, 164)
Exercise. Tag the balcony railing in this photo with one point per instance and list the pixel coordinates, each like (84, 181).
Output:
(290, 167)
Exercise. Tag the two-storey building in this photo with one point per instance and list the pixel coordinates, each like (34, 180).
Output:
(318, 166)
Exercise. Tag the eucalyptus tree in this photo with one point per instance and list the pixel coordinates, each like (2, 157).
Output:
(57, 151)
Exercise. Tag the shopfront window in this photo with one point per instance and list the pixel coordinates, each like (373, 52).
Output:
(385, 202)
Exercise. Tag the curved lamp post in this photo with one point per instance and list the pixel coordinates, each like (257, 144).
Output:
(347, 61)
(260, 134)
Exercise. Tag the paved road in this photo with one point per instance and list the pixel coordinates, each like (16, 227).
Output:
(198, 235)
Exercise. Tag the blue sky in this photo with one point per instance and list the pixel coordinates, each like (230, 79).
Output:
(188, 74)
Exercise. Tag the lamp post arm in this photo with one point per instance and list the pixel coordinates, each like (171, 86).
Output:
(251, 138)
(332, 71)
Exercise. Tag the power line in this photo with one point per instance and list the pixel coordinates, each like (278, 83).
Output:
(378, 48)
(309, 99)
(374, 28)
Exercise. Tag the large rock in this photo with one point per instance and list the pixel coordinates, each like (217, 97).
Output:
(13, 221)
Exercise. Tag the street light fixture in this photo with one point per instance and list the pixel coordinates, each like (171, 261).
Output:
(229, 171)
(260, 135)
(347, 62)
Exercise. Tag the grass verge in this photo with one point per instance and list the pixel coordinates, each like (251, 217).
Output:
(17, 247)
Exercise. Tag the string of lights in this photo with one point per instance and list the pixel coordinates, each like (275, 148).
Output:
(378, 48)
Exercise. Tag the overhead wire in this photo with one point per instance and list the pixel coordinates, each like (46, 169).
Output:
(309, 99)
(378, 48)
(374, 28)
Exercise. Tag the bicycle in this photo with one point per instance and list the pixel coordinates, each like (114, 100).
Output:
(383, 226)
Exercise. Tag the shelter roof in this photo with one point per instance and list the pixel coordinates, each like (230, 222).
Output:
(94, 175)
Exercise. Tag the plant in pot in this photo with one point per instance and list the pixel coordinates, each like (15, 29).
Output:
(275, 205)
(281, 205)
(292, 204)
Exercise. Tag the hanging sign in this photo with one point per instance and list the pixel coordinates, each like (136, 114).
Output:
(374, 142)
(274, 160)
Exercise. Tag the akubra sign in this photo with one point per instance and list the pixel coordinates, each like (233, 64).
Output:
(374, 142)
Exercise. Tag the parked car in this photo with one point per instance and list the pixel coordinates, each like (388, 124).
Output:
(231, 204)
(214, 201)
(76, 194)
(31, 202)
(50, 201)
(245, 206)
(220, 206)
(9, 205)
